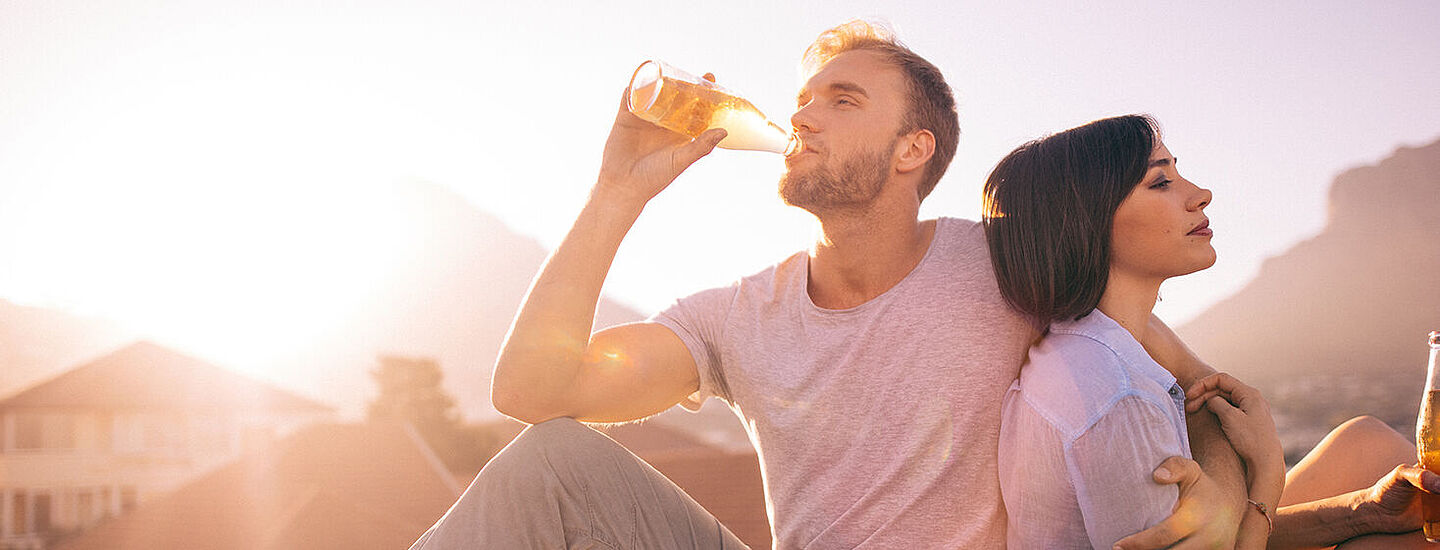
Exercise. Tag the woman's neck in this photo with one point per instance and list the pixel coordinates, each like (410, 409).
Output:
(1129, 301)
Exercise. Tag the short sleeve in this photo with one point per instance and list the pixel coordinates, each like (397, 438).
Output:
(1111, 465)
(699, 321)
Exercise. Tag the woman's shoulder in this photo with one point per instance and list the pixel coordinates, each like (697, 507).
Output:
(1072, 379)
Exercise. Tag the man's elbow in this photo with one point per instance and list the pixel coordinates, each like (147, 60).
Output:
(520, 405)
(512, 404)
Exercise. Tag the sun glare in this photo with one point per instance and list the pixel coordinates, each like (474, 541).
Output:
(236, 214)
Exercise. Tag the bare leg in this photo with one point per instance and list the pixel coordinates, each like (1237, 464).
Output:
(1353, 456)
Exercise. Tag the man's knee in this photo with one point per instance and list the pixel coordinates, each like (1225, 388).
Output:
(557, 443)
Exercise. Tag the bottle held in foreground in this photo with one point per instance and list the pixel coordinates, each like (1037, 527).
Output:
(680, 102)
(1427, 439)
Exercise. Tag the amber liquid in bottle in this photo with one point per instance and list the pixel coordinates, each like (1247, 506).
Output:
(1427, 440)
(690, 108)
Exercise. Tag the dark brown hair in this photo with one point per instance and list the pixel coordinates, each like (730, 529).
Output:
(1049, 210)
(931, 104)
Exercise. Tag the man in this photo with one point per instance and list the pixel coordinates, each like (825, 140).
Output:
(868, 370)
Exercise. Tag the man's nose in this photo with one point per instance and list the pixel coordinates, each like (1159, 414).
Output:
(801, 120)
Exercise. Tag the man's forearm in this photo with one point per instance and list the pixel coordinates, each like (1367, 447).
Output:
(542, 353)
(1315, 524)
(1216, 457)
(1208, 443)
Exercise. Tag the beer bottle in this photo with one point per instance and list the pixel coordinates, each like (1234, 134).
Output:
(681, 102)
(1427, 439)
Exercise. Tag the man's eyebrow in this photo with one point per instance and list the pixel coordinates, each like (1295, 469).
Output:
(844, 86)
(835, 87)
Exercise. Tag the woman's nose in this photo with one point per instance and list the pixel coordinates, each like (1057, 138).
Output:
(1201, 199)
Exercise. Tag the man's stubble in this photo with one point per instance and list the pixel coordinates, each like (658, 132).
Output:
(857, 181)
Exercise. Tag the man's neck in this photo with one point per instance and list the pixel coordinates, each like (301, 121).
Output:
(861, 255)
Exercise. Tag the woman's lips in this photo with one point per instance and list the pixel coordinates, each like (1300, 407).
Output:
(1202, 230)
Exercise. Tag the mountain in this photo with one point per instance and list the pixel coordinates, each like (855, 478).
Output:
(450, 296)
(1337, 325)
(36, 343)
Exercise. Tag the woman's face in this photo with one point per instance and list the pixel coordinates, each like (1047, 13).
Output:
(1160, 229)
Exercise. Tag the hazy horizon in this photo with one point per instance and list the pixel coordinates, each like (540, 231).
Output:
(187, 169)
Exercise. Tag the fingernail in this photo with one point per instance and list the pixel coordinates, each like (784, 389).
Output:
(1163, 473)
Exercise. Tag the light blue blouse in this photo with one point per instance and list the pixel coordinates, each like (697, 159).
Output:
(1089, 419)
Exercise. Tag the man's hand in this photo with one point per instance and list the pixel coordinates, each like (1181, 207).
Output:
(1392, 505)
(1204, 517)
(641, 159)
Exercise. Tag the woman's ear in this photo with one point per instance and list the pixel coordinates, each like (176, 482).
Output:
(915, 149)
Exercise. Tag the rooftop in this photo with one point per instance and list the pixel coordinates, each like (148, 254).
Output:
(326, 487)
(148, 377)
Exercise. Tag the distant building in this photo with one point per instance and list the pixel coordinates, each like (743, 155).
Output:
(110, 434)
(326, 487)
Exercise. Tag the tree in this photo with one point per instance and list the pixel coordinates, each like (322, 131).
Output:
(411, 391)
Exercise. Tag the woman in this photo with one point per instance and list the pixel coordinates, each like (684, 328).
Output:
(1083, 228)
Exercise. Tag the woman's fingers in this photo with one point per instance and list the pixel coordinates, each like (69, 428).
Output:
(1218, 381)
(1228, 414)
(1194, 404)
(1222, 384)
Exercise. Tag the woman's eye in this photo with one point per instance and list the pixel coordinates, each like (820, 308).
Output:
(1162, 184)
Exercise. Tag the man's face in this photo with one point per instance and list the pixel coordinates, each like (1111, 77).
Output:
(848, 120)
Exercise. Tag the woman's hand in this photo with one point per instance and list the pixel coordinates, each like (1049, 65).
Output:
(1245, 416)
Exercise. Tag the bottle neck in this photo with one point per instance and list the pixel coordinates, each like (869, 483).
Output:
(1431, 378)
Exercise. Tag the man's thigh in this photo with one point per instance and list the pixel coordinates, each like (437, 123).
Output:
(561, 484)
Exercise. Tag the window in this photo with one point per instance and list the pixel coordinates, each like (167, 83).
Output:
(105, 502)
(19, 512)
(42, 511)
(85, 507)
(44, 432)
(128, 498)
(29, 432)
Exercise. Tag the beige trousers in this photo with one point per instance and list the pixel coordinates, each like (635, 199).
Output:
(560, 484)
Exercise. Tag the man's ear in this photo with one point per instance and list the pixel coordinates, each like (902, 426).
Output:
(915, 149)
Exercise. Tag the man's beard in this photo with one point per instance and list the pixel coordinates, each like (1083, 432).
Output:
(858, 181)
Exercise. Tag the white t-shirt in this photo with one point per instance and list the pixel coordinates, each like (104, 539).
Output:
(1083, 428)
(876, 426)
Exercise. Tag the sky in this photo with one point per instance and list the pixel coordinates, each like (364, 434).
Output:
(188, 169)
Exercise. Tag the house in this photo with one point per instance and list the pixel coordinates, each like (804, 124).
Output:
(110, 434)
(330, 486)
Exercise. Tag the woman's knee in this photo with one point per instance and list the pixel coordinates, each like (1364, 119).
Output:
(1366, 431)
(1365, 425)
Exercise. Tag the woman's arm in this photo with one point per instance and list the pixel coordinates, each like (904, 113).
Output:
(1111, 470)
(1208, 515)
